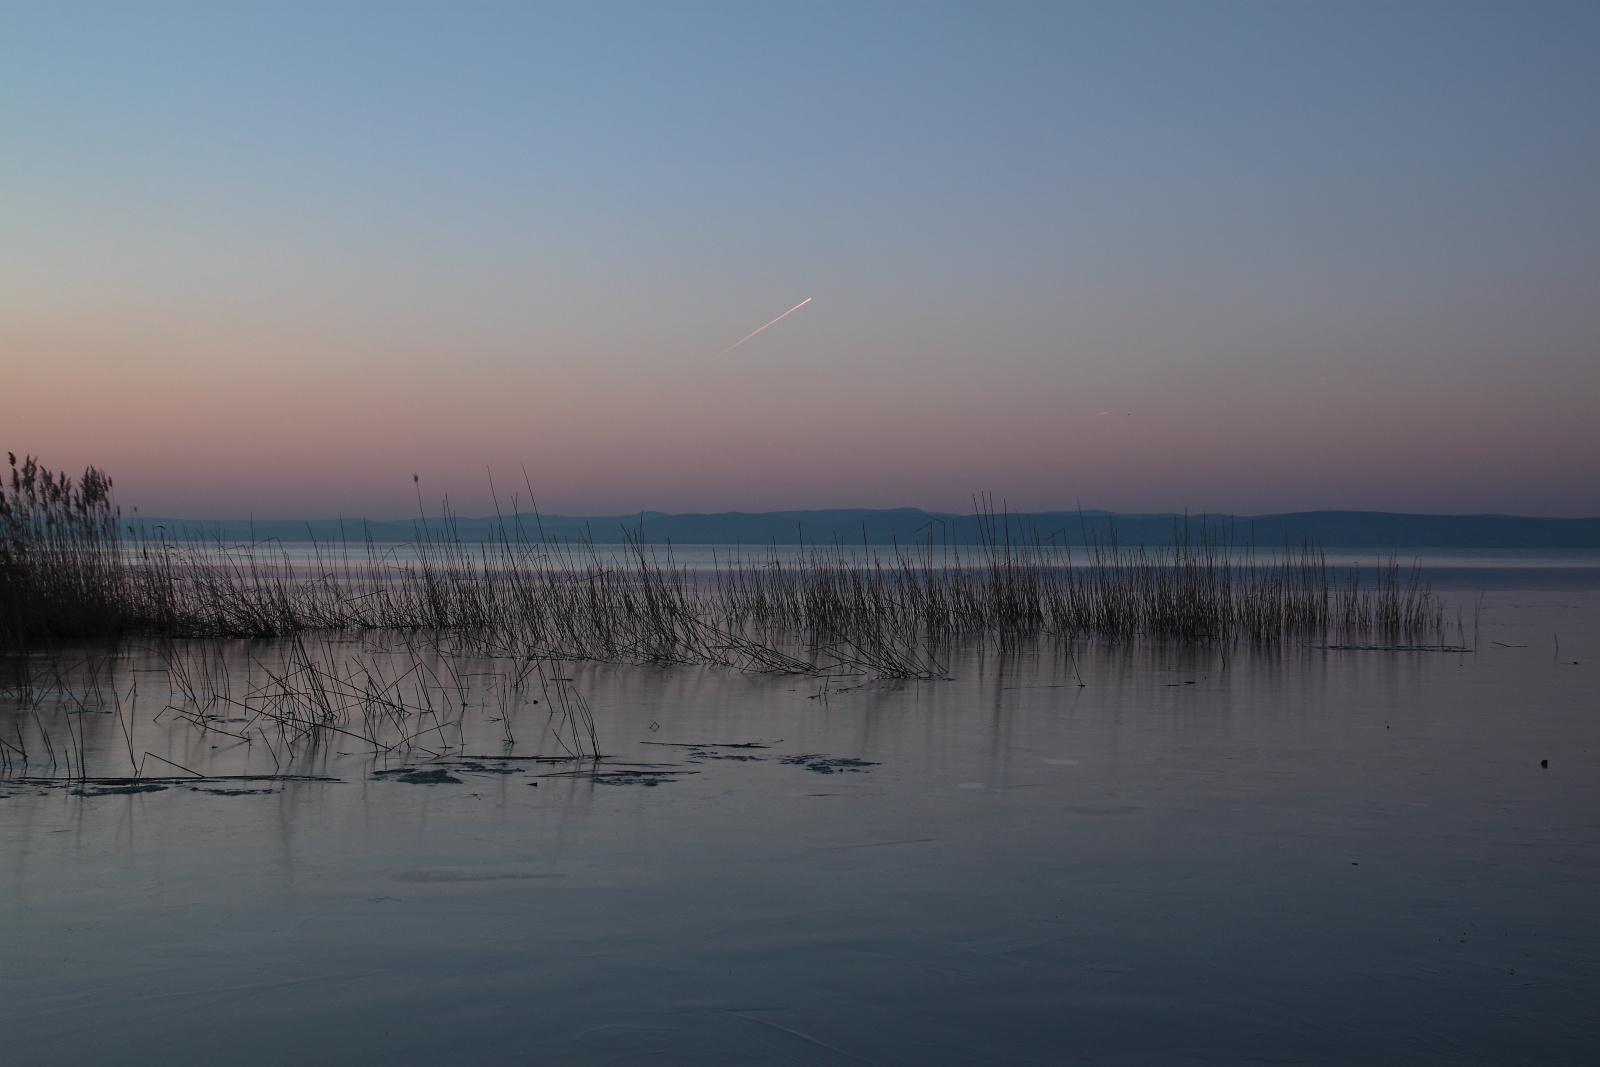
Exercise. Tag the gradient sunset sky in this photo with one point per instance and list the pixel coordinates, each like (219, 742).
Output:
(1245, 257)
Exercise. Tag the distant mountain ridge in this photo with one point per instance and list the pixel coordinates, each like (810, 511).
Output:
(1330, 529)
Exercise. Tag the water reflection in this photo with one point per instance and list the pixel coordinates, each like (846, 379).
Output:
(1123, 853)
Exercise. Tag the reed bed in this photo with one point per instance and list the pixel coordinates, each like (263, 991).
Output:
(71, 574)
(68, 568)
(61, 577)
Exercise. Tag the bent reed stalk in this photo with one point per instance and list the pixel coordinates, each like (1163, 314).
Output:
(69, 570)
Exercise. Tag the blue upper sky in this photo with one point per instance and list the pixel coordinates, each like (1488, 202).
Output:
(1242, 257)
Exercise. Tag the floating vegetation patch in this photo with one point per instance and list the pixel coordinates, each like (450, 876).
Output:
(650, 778)
(419, 776)
(445, 769)
(680, 744)
(475, 767)
(603, 772)
(112, 790)
(819, 763)
(1391, 648)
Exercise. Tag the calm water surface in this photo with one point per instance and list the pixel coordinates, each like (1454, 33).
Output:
(1298, 856)
(1454, 569)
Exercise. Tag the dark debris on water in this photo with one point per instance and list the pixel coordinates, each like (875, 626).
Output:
(483, 768)
(819, 763)
(111, 790)
(444, 772)
(418, 776)
(706, 744)
(636, 777)
(1390, 648)
(634, 774)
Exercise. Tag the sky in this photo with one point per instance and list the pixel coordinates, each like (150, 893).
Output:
(277, 259)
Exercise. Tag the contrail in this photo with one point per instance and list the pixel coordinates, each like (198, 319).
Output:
(752, 333)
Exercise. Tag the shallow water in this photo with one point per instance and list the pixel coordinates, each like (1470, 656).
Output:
(1296, 855)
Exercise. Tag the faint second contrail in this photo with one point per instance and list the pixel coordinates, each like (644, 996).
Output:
(752, 333)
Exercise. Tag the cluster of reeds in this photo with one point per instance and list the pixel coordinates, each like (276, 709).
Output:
(1196, 588)
(405, 702)
(293, 701)
(888, 610)
(60, 574)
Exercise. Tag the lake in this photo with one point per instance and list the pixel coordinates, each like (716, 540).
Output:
(1137, 852)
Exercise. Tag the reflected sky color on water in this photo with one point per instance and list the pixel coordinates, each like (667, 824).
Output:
(1289, 855)
(1527, 568)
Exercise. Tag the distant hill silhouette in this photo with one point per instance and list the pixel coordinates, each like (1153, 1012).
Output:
(1330, 529)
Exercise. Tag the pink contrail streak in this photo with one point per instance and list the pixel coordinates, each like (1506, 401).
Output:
(752, 333)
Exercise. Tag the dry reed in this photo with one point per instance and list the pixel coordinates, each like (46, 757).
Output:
(68, 570)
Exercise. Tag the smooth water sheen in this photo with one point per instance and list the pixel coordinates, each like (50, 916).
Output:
(1300, 855)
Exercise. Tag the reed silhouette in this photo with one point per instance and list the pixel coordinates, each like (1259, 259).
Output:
(69, 570)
